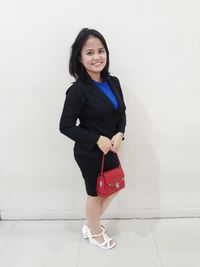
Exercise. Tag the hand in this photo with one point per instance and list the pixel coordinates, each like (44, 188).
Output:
(116, 142)
(104, 143)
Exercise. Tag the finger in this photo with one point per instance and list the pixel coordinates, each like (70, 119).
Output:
(114, 148)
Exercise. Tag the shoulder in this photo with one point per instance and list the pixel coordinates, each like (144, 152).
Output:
(114, 79)
(77, 88)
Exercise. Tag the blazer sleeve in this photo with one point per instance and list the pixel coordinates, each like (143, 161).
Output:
(122, 118)
(74, 103)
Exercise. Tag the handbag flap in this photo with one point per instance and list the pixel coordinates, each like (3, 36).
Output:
(114, 176)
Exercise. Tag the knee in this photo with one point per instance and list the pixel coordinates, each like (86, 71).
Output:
(113, 195)
(110, 197)
(93, 198)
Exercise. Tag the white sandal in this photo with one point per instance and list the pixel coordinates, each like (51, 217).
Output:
(86, 228)
(106, 244)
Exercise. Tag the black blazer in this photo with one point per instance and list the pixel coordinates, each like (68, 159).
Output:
(96, 114)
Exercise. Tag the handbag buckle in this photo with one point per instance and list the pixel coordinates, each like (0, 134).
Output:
(117, 185)
(101, 183)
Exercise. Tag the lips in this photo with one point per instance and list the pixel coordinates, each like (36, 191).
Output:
(97, 64)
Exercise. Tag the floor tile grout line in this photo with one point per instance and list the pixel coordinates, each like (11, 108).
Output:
(79, 248)
(7, 240)
(129, 218)
(161, 264)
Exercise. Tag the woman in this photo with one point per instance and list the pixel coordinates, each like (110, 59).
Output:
(95, 98)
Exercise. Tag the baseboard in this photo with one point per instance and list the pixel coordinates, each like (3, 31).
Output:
(146, 213)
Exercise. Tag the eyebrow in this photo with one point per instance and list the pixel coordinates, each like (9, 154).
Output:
(90, 49)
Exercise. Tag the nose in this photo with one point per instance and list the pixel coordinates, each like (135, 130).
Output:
(96, 56)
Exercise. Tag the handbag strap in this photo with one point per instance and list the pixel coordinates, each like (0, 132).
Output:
(102, 164)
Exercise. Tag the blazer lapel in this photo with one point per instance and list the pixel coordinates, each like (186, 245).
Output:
(115, 90)
(97, 91)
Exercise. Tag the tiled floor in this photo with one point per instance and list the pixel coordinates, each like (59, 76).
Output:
(140, 243)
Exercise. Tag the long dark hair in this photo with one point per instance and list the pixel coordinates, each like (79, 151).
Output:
(76, 69)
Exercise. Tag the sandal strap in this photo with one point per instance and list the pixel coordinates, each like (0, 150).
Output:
(106, 237)
(107, 240)
(105, 243)
(101, 233)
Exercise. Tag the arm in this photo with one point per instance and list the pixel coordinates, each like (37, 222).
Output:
(122, 118)
(73, 106)
(122, 125)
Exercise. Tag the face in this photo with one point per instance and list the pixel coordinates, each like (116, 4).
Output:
(93, 56)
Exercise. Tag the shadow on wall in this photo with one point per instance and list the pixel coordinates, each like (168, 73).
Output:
(140, 162)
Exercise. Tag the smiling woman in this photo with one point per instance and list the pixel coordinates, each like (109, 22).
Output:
(93, 57)
(96, 99)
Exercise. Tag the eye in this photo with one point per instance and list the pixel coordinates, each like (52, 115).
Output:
(101, 51)
(89, 53)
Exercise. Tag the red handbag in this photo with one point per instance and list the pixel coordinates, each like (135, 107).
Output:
(110, 181)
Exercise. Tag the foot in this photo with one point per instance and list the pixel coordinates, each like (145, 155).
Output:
(86, 228)
(103, 227)
(101, 240)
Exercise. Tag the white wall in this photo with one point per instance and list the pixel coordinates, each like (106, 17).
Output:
(154, 50)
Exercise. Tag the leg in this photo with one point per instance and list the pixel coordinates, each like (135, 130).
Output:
(93, 213)
(105, 203)
(92, 209)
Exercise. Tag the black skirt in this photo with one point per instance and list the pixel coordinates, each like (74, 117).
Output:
(90, 167)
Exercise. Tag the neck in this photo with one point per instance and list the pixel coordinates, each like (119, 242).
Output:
(96, 76)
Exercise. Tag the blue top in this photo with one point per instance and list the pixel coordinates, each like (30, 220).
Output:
(105, 88)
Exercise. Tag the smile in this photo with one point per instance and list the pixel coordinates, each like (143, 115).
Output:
(97, 64)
